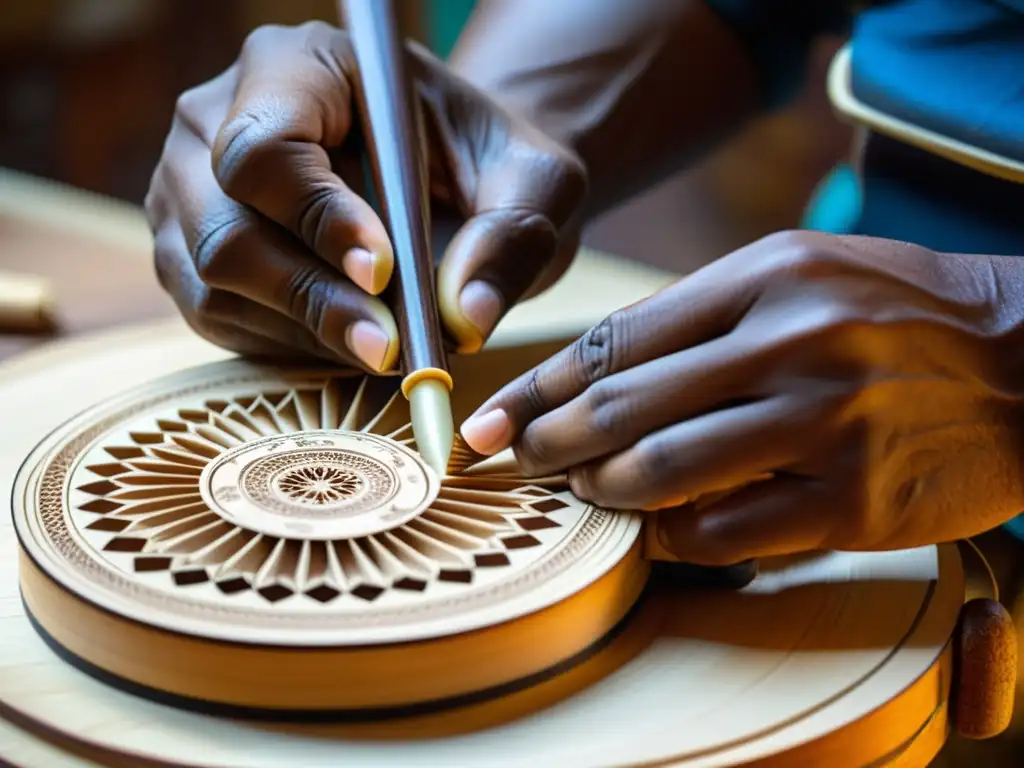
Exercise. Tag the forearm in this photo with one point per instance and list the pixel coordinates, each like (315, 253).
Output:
(637, 88)
(640, 88)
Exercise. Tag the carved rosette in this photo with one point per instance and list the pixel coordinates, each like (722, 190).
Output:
(295, 508)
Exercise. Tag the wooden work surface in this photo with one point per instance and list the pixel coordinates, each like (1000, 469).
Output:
(97, 252)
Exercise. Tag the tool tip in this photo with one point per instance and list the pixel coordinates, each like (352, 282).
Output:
(432, 422)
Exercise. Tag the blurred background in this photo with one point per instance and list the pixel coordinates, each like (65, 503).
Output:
(87, 88)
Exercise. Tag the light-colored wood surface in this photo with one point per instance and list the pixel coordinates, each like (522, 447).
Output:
(26, 303)
(95, 254)
(803, 659)
(45, 229)
(159, 577)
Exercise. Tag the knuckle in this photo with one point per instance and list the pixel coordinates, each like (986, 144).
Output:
(595, 351)
(187, 103)
(606, 407)
(568, 173)
(656, 461)
(528, 224)
(317, 39)
(801, 255)
(262, 36)
(316, 29)
(566, 182)
(532, 452)
(315, 215)
(217, 246)
(533, 393)
(784, 240)
(573, 177)
(243, 146)
(308, 298)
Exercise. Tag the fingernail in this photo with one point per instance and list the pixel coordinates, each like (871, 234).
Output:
(488, 433)
(369, 342)
(359, 265)
(481, 303)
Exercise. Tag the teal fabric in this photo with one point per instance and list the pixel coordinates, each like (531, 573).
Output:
(445, 20)
(954, 66)
(835, 205)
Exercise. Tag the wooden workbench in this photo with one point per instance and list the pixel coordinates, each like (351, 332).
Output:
(98, 254)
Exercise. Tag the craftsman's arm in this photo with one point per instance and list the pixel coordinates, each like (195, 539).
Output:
(639, 88)
(267, 247)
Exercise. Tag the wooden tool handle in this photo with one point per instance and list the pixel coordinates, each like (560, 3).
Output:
(26, 304)
(986, 674)
(392, 125)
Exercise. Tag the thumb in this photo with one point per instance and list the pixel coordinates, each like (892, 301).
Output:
(498, 258)
(520, 191)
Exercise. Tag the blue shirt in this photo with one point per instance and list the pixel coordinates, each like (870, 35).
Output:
(952, 66)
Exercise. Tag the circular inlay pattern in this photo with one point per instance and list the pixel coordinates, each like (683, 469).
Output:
(319, 484)
(292, 508)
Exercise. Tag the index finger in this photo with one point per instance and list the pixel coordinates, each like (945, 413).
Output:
(692, 311)
(292, 104)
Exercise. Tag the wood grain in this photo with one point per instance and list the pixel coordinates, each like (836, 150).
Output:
(52, 227)
(95, 253)
(818, 658)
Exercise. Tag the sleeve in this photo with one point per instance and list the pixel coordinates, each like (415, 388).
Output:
(778, 35)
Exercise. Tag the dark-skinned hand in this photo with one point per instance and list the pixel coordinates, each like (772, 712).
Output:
(877, 385)
(267, 246)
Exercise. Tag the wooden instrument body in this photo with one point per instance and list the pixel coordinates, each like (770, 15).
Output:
(836, 659)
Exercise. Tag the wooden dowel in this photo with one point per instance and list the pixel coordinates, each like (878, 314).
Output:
(26, 304)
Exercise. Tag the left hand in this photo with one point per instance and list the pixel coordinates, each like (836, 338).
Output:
(877, 383)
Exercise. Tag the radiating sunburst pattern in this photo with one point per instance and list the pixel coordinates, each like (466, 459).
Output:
(320, 484)
(145, 502)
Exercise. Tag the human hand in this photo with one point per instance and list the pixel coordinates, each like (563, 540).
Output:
(266, 244)
(876, 384)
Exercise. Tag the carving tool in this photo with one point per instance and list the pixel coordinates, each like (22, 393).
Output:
(393, 131)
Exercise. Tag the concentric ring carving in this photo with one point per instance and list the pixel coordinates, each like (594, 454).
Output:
(132, 519)
(318, 482)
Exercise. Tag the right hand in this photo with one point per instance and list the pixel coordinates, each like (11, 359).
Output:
(266, 246)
